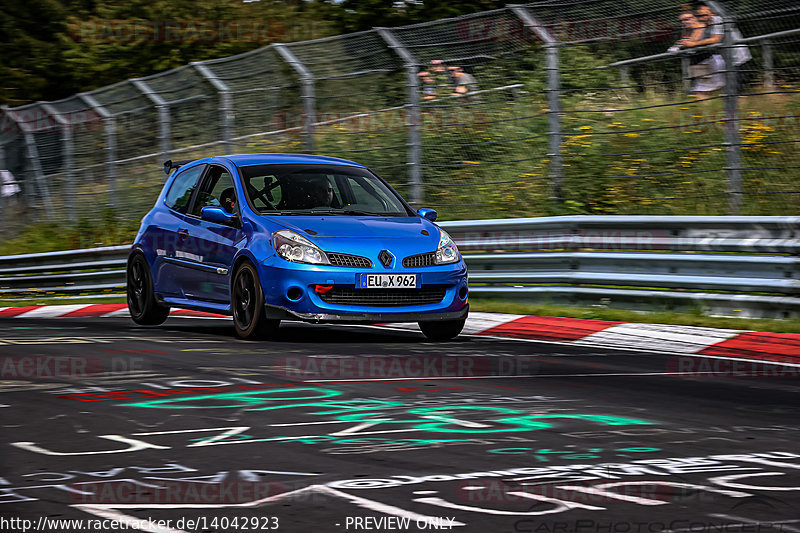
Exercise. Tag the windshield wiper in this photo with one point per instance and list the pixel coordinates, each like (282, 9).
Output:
(284, 213)
(358, 212)
(345, 212)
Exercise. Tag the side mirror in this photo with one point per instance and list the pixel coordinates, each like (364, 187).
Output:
(430, 214)
(218, 215)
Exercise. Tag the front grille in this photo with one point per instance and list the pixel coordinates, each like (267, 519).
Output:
(421, 260)
(383, 297)
(345, 260)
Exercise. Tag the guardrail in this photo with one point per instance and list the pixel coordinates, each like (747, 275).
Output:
(83, 271)
(736, 266)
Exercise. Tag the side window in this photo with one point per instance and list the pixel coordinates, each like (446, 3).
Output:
(180, 193)
(217, 191)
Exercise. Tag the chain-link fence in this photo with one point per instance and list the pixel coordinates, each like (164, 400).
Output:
(557, 107)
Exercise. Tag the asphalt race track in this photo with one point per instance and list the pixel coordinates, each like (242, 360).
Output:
(184, 427)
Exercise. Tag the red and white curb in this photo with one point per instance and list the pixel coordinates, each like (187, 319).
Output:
(773, 347)
(88, 311)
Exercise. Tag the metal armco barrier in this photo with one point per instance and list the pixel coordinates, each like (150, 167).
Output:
(69, 271)
(736, 266)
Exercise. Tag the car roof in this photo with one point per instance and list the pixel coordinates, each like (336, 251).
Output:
(246, 160)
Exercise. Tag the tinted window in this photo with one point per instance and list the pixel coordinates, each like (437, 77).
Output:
(217, 191)
(329, 189)
(180, 193)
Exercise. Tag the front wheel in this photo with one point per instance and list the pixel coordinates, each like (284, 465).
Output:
(247, 303)
(142, 303)
(442, 330)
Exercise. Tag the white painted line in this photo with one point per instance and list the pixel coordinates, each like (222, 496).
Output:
(309, 423)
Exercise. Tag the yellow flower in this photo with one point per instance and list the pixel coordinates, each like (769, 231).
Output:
(631, 135)
(586, 127)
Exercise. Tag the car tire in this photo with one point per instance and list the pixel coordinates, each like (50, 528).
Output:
(442, 330)
(247, 306)
(142, 304)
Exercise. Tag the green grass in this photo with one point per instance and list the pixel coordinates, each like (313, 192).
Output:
(48, 237)
(485, 162)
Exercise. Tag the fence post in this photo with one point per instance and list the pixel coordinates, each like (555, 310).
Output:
(32, 154)
(769, 72)
(34, 164)
(625, 77)
(687, 81)
(3, 202)
(414, 119)
(69, 166)
(163, 115)
(109, 125)
(553, 97)
(733, 146)
(225, 104)
(309, 100)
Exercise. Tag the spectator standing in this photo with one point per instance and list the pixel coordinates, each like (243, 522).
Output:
(464, 81)
(716, 34)
(441, 77)
(428, 85)
(706, 68)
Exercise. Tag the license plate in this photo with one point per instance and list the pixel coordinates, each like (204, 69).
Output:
(387, 281)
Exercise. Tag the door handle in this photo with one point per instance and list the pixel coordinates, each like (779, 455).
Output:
(183, 233)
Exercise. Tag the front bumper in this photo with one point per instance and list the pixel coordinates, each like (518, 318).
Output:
(289, 293)
(365, 318)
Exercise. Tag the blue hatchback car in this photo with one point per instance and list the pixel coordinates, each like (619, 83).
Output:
(271, 237)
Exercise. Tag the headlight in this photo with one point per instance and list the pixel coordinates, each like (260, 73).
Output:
(298, 249)
(447, 251)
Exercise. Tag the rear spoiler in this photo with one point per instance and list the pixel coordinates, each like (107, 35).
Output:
(170, 165)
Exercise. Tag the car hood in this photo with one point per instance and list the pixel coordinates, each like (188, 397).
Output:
(345, 233)
(364, 227)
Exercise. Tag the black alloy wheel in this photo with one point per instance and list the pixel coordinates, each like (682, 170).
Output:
(142, 303)
(247, 304)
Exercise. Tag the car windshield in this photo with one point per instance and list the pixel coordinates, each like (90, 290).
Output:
(319, 189)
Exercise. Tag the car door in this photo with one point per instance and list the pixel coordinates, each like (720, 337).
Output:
(165, 239)
(207, 248)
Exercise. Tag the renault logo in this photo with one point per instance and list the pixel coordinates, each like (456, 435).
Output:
(386, 258)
